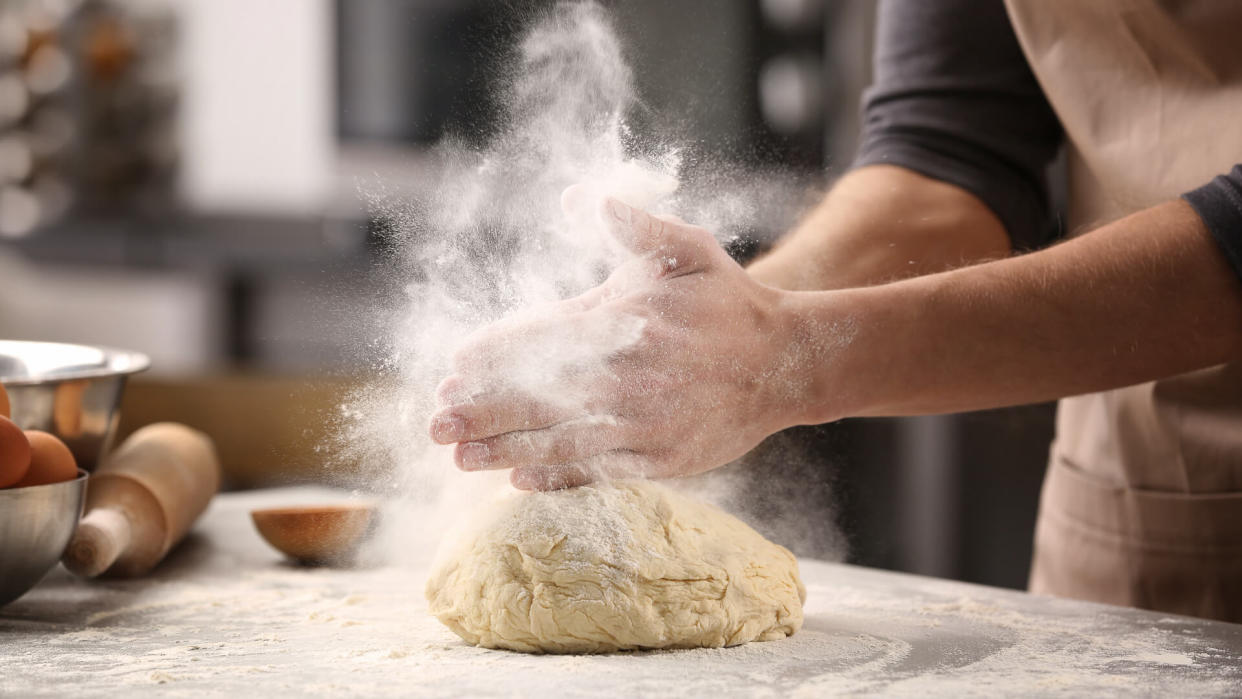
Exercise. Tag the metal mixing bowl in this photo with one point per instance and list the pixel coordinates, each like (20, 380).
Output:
(72, 391)
(35, 526)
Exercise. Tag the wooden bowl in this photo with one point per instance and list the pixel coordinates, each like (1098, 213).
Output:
(317, 535)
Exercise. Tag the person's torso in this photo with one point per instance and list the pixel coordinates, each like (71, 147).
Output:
(1150, 97)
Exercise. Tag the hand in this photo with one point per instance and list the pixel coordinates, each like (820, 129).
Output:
(678, 363)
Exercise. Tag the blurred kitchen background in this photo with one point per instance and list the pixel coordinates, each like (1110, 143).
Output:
(182, 177)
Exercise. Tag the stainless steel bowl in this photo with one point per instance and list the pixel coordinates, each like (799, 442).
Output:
(35, 526)
(72, 391)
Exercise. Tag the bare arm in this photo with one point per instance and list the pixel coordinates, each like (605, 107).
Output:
(1148, 296)
(882, 223)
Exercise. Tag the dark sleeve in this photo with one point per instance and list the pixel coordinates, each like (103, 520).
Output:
(1219, 204)
(954, 99)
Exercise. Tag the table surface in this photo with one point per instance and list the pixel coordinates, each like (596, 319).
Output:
(225, 615)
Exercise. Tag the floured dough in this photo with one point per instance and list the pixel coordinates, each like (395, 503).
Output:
(612, 567)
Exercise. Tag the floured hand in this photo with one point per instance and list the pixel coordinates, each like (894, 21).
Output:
(678, 363)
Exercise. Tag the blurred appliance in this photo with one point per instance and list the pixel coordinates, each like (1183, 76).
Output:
(408, 71)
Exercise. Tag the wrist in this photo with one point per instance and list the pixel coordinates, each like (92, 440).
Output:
(818, 369)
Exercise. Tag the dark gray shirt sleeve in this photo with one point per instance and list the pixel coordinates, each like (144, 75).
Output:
(1219, 204)
(954, 99)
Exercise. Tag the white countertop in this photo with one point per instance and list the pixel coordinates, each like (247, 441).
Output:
(224, 615)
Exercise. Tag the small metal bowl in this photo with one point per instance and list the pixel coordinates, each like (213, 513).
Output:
(71, 391)
(36, 523)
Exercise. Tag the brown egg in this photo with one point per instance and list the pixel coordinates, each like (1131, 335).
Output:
(6, 409)
(50, 461)
(14, 453)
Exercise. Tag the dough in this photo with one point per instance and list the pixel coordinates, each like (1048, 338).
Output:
(618, 566)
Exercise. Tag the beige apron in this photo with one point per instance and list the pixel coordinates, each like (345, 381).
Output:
(1142, 504)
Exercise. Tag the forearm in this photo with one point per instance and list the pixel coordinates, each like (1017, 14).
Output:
(1145, 297)
(879, 224)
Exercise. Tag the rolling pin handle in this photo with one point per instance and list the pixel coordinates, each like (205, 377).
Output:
(102, 535)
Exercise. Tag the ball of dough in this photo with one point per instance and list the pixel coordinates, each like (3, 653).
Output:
(618, 566)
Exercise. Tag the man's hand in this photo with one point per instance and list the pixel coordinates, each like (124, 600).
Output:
(681, 361)
(678, 363)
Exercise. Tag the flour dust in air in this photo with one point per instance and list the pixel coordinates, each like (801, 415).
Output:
(626, 565)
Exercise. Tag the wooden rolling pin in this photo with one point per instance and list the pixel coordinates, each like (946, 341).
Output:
(142, 501)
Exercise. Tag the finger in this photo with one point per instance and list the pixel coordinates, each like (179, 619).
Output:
(637, 230)
(525, 328)
(562, 443)
(490, 415)
(679, 247)
(452, 391)
(555, 477)
(579, 203)
(557, 357)
(506, 344)
(610, 465)
(586, 300)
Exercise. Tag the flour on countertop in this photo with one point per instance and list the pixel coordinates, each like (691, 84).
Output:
(367, 632)
(224, 616)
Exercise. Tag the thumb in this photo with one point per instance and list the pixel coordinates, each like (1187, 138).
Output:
(681, 245)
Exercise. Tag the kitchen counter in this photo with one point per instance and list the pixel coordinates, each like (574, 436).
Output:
(225, 615)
